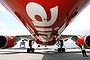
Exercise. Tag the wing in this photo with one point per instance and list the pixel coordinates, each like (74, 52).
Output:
(66, 37)
(27, 37)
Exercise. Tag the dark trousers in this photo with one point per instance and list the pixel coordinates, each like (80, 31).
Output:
(84, 53)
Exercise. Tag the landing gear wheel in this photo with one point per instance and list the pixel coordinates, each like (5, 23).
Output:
(60, 49)
(30, 50)
(63, 49)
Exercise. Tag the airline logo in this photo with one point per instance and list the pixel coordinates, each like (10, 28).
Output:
(34, 9)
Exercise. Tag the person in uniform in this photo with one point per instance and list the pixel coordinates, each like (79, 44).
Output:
(83, 50)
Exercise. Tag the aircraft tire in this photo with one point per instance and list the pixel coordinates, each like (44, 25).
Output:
(61, 49)
(30, 50)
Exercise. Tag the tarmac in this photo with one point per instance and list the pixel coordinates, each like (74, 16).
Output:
(20, 54)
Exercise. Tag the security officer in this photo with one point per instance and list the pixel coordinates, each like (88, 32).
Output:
(83, 51)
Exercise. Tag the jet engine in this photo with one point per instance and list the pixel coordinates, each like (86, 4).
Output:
(84, 40)
(7, 42)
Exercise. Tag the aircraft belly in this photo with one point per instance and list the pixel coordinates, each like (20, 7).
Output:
(44, 19)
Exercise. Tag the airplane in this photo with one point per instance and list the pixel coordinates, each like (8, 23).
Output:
(45, 20)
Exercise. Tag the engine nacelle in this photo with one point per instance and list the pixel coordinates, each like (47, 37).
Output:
(6, 42)
(84, 40)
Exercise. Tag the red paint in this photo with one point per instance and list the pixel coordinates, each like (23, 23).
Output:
(81, 40)
(10, 42)
(65, 8)
(38, 18)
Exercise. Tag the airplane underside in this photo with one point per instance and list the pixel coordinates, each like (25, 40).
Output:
(44, 19)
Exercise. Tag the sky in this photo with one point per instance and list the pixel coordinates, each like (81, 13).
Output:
(81, 24)
(9, 25)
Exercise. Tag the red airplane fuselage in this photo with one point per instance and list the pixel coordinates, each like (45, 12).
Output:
(44, 18)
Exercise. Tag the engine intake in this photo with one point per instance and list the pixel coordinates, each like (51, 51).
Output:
(6, 42)
(87, 40)
(84, 40)
(3, 41)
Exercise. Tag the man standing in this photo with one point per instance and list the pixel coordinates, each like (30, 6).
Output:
(83, 50)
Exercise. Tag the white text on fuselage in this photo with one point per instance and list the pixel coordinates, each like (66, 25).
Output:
(34, 9)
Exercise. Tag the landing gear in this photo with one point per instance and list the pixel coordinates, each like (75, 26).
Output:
(61, 49)
(30, 45)
(60, 45)
(30, 50)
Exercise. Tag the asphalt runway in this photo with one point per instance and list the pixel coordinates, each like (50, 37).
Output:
(20, 54)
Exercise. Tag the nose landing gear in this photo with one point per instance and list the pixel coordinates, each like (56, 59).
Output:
(60, 45)
(30, 45)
